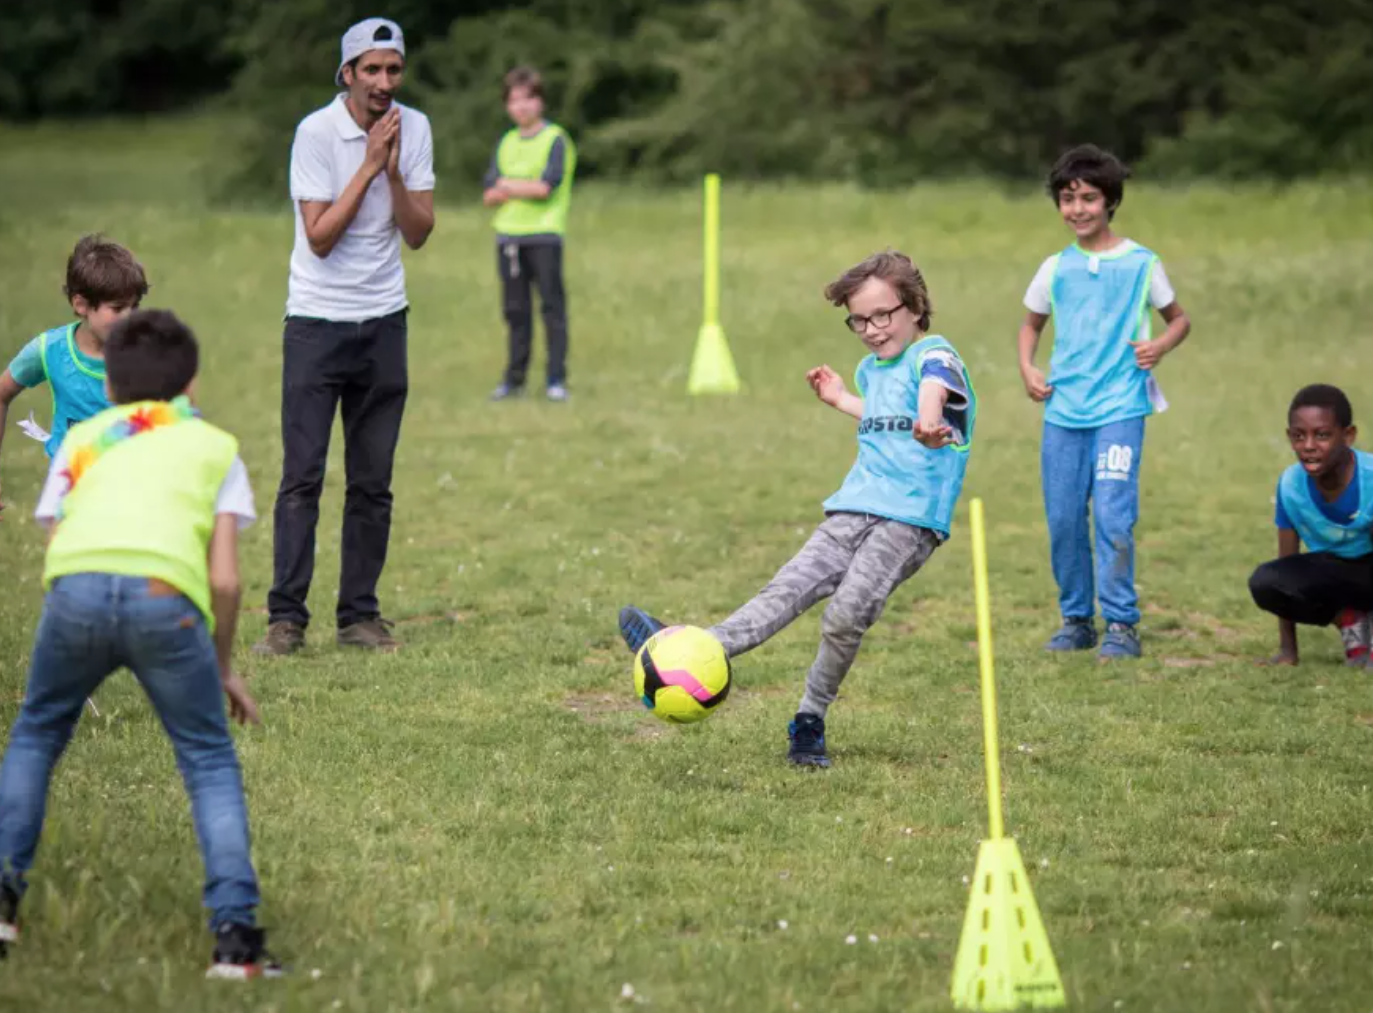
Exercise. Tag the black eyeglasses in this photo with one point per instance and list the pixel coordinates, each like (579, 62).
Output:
(881, 318)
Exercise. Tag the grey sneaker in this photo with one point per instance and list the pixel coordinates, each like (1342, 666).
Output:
(1074, 635)
(557, 392)
(1121, 641)
(372, 634)
(1356, 632)
(282, 638)
(506, 391)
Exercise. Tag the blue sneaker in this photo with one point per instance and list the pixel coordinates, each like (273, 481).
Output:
(1121, 641)
(636, 626)
(807, 735)
(1075, 635)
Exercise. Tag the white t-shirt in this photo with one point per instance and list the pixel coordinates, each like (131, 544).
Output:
(1038, 297)
(362, 278)
(235, 493)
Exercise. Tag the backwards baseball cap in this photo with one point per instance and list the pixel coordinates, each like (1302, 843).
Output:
(365, 36)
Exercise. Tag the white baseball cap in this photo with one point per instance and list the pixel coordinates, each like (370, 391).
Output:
(365, 36)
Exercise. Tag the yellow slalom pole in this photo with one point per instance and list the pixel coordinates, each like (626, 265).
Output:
(996, 829)
(710, 315)
(1004, 960)
(712, 365)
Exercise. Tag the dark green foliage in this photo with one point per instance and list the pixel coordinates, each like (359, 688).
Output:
(874, 91)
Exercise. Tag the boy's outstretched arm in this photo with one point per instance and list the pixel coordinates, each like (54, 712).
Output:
(1028, 341)
(1148, 353)
(1289, 544)
(9, 390)
(930, 427)
(225, 594)
(829, 388)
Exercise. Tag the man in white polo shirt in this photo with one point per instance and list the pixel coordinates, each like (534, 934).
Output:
(362, 179)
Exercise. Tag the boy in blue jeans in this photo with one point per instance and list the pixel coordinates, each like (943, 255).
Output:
(143, 505)
(104, 284)
(1099, 390)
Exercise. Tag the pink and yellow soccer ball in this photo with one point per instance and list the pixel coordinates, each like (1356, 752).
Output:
(681, 674)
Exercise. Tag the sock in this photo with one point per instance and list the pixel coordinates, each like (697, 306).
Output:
(1354, 632)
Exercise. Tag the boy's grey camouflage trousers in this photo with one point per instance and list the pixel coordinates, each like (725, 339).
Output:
(857, 558)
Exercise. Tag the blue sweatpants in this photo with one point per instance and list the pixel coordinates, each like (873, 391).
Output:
(1097, 468)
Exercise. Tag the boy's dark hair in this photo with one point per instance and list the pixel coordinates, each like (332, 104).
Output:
(101, 271)
(1090, 164)
(150, 355)
(524, 77)
(1323, 395)
(897, 270)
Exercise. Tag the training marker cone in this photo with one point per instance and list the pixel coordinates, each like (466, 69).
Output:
(712, 365)
(1004, 959)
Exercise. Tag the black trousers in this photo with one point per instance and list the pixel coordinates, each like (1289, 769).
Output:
(542, 264)
(360, 367)
(1313, 587)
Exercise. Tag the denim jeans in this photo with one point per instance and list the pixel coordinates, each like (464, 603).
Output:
(93, 624)
(1097, 467)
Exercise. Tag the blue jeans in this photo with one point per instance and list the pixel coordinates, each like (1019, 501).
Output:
(92, 624)
(1099, 467)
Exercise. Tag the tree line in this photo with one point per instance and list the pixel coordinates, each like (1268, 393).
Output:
(878, 92)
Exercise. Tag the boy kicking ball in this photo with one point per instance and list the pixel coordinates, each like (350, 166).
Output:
(915, 407)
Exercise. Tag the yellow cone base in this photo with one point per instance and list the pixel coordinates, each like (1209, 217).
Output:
(1004, 960)
(712, 366)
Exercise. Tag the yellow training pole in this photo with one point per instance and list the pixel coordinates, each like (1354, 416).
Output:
(710, 313)
(712, 365)
(996, 829)
(1004, 960)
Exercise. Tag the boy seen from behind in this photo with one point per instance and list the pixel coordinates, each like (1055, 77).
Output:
(144, 503)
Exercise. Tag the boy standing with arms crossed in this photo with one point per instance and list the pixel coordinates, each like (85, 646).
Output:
(1099, 390)
(530, 184)
(143, 504)
(104, 284)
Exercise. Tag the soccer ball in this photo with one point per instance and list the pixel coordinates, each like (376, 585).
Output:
(681, 674)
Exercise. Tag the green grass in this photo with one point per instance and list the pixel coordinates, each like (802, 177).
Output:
(489, 821)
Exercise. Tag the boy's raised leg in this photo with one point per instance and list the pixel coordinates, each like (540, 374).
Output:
(812, 574)
(1066, 462)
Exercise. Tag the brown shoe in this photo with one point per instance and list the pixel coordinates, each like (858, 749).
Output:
(373, 634)
(282, 638)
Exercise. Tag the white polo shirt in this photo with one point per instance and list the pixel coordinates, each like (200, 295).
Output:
(362, 278)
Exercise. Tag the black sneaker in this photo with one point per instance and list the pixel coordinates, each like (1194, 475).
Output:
(807, 735)
(636, 626)
(9, 918)
(241, 955)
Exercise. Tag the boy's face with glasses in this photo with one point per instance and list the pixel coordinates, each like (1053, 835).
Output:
(879, 317)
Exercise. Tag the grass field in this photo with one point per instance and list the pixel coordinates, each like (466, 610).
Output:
(490, 821)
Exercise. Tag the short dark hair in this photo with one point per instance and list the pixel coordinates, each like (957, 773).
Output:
(1323, 395)
(1089, 164)
(897, 270)
(101, 271)
(150, 355)
(524, 77)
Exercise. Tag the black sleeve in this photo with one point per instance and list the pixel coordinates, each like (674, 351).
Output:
(493, 173)
(557, 161)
